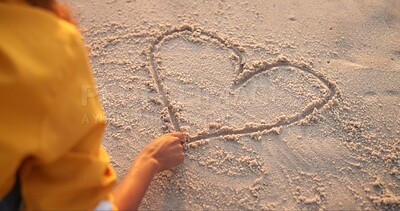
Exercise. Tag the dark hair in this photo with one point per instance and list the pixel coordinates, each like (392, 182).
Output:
(55, 7)
(41, 3)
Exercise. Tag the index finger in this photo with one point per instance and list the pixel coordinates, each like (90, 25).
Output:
(179, 135)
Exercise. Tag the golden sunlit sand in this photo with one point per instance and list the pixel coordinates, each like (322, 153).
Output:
(290, 105)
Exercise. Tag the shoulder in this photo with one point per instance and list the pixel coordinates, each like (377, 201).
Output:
(34, 31)
(38, 50)
(43, 71)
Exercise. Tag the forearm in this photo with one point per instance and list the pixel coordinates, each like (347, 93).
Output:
(132, 189)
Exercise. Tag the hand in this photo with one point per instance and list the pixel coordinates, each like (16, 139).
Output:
(166, 151)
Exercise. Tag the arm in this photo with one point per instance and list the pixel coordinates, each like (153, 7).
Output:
(163, 153)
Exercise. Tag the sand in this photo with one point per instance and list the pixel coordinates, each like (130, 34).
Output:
(289, 105)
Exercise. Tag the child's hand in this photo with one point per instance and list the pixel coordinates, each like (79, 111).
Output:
(166, 151)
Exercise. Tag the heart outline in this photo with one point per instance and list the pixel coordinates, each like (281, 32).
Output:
(241, 77)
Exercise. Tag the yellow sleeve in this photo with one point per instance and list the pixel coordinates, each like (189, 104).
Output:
(51, 118)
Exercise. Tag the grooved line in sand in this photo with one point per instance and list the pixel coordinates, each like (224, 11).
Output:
(283, 121)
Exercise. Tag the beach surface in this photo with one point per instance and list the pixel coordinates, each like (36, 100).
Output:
(289, 105)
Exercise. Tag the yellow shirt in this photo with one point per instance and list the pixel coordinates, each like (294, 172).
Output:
(51, 121)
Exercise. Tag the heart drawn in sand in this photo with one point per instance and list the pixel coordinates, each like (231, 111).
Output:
(238, 93)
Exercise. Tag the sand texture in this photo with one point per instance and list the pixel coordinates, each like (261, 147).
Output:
(289, 105)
